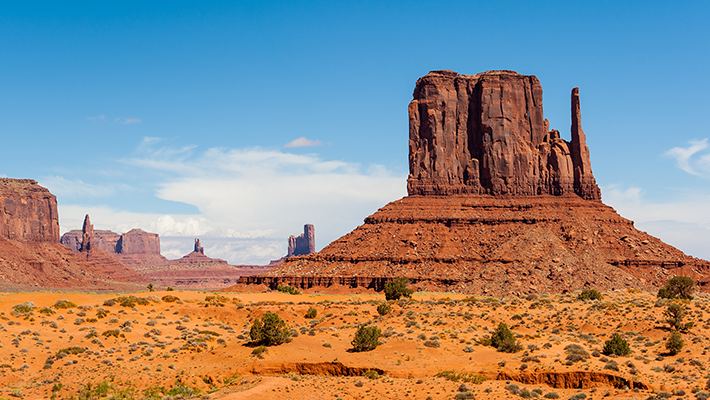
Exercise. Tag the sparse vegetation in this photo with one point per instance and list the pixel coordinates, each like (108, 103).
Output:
(674, 317)
(288, 289)
(590, 294)
(674, 344)
(617, 345)
(384, 308)
(311, 313)
(270, 330)
(504, 340)
(678, 287)
(397, 288)
(366, 338)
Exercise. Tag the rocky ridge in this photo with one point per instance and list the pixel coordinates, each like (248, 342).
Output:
(498, 204)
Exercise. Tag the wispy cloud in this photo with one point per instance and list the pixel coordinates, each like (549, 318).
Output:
(253, 199)
(303, 142)
(76, 188)
(97, 118)
(128, 121)
(689, 158)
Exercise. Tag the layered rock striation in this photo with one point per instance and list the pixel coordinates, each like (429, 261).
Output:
(133, 248)
(486, 134)
(498, 204)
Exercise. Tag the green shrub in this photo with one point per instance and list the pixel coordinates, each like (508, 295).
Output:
(23, 308)
(674, 316)
(384, 308)
(270, 330)
(504, 340)
(288, 289)
(131, 301)
(311, 313)
(150, 287)
(371, 374)
(168, 298)
(169, 289)
(64, 304)
(617, 345)
(590, 294)
(366, 338)
(111, 332)
(46, 310)
(71, 350)
(678, 287)
(397, 288)
(259, 351)
(675, 343)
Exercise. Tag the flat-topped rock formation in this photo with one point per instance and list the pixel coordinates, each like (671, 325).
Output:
(498, 204)
(31, 257)
(133, 248)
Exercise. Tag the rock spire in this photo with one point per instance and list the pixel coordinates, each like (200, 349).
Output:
(304, 243)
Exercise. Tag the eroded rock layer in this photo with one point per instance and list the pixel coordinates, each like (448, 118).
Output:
(497, 246)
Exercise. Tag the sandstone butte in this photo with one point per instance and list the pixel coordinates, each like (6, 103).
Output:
(498, 204)
(31, 256)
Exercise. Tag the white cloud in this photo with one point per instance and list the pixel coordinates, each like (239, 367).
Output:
(128, 121)
(670, 221)
(685, 160)
(252, 198)
(303, 142)
(60, 186)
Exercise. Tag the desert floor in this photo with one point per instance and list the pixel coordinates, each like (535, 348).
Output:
(198, 347)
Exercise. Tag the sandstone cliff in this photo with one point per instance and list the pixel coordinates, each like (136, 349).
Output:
(132, 248)
(486, 134)
(28, 212)
(498, 204)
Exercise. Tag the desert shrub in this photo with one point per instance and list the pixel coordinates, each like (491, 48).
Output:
(64, 304)
(111, 332)
(270, 330)
(46, 310)
(371, 374)
(169, 289)
(384, 308)
(504, 340)
(150, 287)
(551, 395)
(101, 313)
(397, 288)
(590, 294)
(674, 316)
(110, 303)
(432, 343)
(678, 287)
(71, 350)
(168, 298)
(366, 338)
(617, 345)
(131, 301)
(259, 351)
(288, 289)
(674, 343)
(23, 308)
(311, 313)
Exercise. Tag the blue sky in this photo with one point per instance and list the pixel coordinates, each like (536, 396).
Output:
(174, 116)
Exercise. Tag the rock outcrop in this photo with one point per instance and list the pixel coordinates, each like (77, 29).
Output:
(101, 259)
(304, 243)
(498, 204)
(31, 257)
(486, 134)
(198, 247)
(133, 248)
(28, 212)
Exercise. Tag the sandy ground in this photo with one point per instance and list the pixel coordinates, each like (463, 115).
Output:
(198, 347)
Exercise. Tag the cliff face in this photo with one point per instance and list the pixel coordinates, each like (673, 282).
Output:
(28, 212)
(304, 243)
(486, 134)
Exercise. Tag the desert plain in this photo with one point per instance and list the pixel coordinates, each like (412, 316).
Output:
(182, 344)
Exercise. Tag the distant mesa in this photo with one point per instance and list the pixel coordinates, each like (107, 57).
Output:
(498, 204)
(31, 257)
(304, 243)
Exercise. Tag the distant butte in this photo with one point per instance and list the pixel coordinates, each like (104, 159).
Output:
(498, 204)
